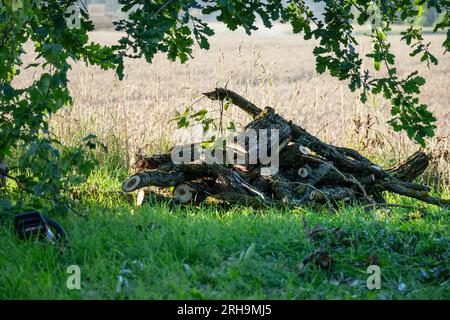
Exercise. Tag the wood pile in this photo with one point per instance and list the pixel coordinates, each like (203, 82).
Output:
(311, 172)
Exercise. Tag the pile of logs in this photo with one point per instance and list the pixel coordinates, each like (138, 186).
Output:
(311, 172)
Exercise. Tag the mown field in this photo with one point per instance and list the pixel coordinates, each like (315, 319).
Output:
(211, 252)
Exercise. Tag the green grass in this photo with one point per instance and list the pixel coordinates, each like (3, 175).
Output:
(213, 253)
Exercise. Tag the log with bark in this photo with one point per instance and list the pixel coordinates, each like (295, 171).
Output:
(310, 171)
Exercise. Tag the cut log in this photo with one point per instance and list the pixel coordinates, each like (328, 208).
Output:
(190, 192)
(153, 162)
(304, 172)
(407, 189)
(304, 150)
(222, 94)
(179, 174)
(152, 178)
(184, 193)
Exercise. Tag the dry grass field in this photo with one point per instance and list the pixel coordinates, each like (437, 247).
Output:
(272, 68)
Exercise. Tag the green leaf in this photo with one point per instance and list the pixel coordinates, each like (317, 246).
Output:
(231, 127)
(377, 65)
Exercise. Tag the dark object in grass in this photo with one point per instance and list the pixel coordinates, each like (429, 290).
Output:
(33, 225)
(3, 173)
(320, 258)
(311, 172)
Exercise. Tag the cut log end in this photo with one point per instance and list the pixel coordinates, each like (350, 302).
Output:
(304, 150)
(131, 184)
(303, 173)
(183, 193)
(316, 196)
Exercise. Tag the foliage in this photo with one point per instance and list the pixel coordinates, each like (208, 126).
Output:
(44, 167)
(174, 27)
(214, 133)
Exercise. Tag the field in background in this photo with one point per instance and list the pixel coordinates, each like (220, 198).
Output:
(269, 68)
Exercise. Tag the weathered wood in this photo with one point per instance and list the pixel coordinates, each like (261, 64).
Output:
(153, 162)
(164, 161)
(194, 171)
(305, 172)
(179, 174)
(247, 186)
(266, 120)
(152, 178)
(315, 176)
(292, 157)
(222, 94)
(192, 192)
(140, 198)
(412, 168)
(226, 183)
(283, 189)
(310, 171)
(333, 154)
(355, 155)
(251, 150)
(407, 190)
(306, 139)
(263, 184)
